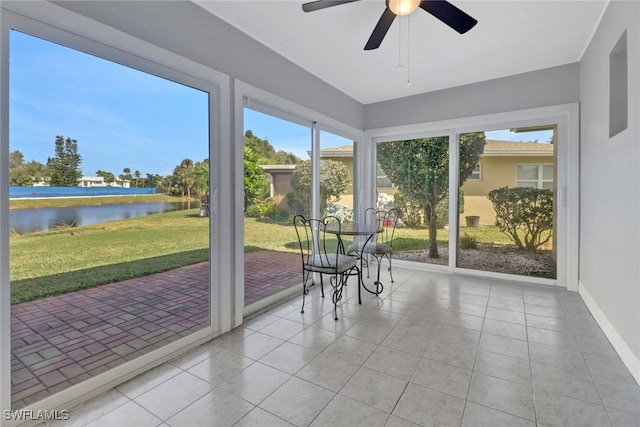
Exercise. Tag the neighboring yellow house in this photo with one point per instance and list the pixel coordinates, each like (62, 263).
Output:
(506, 163)
(503, 163)
(342, 154)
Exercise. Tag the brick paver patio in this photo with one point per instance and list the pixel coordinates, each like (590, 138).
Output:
(63, 340)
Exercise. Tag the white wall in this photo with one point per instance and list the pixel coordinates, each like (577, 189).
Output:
(610, 191)
(550, 86)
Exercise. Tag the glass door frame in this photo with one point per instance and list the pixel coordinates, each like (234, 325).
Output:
(96, 39)
(247, 95)
(566, 117)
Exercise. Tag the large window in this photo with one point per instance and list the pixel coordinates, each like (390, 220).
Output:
(117, 265)
(337, 177)
(491, 166)
(535, 176)
(416, 179)
(476, 173)
(277, 186)
(382, 181)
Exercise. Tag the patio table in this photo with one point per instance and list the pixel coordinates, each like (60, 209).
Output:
(363, 230)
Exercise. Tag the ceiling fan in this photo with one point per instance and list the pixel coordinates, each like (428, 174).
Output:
(443, 10)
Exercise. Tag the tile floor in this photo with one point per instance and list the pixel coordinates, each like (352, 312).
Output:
(432, 350)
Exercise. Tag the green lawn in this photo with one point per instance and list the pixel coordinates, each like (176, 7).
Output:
(65, 260)
(54, 262)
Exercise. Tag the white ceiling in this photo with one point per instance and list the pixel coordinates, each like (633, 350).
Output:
(511, 37)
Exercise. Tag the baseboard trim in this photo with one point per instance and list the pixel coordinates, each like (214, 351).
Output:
(626, 354)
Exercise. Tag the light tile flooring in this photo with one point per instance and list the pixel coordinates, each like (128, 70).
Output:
(432, 350)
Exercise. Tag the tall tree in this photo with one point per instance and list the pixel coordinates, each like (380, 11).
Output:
(186, 176)
(126, 175)
(16, 159)
(419, 168)
(152, 180)
(137, 176)
(17, 173)
(201, 174)
(65, 166)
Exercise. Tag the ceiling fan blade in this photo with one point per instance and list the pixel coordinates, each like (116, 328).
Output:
(380, 30)
(449, 14)
(322, 4)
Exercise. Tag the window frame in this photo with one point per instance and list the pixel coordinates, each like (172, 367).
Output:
(479, 178)
(567, 185)
(51, 23)
(247, 95)
(539, 181)
(382, 177)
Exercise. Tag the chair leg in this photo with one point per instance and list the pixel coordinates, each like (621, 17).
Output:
(305, 291)
(321, 285)
(368, 258)
(360, 284)
(337, 293)
(390, 272)
(377, 282)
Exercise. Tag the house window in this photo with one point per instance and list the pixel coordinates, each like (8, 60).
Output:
(476, 173)
(535, 176)
(381, 178)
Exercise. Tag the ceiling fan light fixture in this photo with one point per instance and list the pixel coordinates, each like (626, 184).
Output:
(403, 7)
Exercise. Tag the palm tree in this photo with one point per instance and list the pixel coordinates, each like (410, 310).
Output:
(186, 176)
(201, 172)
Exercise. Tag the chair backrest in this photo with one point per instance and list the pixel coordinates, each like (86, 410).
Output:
(318, 239)
(386, 219)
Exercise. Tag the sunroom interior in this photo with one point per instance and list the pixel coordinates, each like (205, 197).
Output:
(590, 94)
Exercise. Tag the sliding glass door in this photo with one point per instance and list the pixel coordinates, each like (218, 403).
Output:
(110, 211)
(277, 186)
(413, 176)
(505, 201)
(507, 212)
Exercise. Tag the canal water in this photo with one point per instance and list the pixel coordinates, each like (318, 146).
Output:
(32, 220)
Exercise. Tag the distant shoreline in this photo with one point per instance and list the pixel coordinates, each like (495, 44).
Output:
(84, 197)
(21, 203)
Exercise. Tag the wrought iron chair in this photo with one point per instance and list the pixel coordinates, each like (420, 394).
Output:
(322, 253)
(382, 246)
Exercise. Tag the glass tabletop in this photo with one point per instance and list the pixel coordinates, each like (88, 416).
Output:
(354, 229)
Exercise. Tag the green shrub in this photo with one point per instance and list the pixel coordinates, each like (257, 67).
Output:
(524, 214)
(467, 241)
(268, 207)
(253, 211)
(265, 208)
